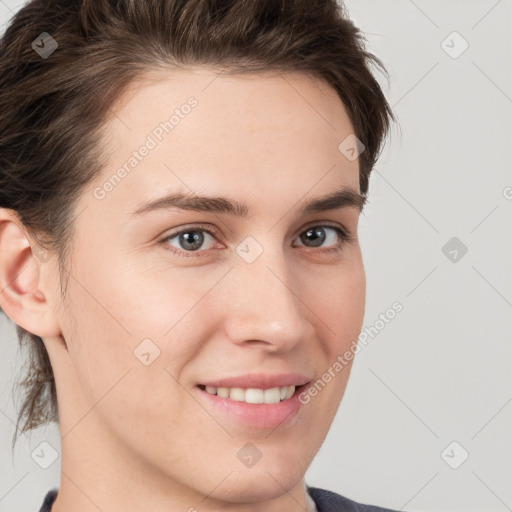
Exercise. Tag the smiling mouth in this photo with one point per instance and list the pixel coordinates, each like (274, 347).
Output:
(253, 395)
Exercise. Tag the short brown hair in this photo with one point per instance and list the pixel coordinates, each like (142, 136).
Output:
(53, 107)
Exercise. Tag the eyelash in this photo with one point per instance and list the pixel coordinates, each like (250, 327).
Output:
(345, 236)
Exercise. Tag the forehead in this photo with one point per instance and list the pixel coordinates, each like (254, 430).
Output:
(213, 132)
(298, 94)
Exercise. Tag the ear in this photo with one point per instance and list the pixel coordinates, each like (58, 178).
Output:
(24, 296)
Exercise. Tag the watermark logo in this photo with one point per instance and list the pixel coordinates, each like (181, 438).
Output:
(454, 45)
(455, 455)
(146, 352)
(44, 45)
(41, 253)
(249, 454)
(249, 249)
(454, 249)
(44, 455)
(351, 147)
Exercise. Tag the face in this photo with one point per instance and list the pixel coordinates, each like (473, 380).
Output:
(181, 295)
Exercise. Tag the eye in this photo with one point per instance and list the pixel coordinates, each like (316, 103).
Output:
(189, 241)
(315, 236)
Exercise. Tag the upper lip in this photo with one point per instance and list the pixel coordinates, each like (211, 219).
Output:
(259, 380)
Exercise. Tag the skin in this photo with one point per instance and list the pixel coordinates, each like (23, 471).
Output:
(133, 437)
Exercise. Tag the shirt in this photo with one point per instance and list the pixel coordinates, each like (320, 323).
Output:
(324, 501)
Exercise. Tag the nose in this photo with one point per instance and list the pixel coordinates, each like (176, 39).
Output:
(265, 305)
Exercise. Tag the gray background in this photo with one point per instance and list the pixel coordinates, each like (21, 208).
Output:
(439, 372)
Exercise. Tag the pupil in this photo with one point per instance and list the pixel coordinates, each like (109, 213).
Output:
(196, 239)
(317, 236)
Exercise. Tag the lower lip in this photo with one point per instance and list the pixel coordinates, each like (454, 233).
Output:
(256, 415)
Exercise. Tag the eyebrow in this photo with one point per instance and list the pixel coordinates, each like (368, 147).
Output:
(343, 198)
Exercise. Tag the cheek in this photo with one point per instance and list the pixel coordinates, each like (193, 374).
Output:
(128, 317)
(338, 298)
(154, 298)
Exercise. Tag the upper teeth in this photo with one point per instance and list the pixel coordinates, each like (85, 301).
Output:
(253, 395)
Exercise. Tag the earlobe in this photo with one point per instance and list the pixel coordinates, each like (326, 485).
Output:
(22, 291)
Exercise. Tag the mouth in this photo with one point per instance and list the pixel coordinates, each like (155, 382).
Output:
(254, 407)
(254, 395)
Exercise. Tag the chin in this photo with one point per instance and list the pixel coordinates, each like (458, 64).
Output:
(246, 486)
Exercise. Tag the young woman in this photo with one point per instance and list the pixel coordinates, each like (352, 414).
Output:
(180, 188)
